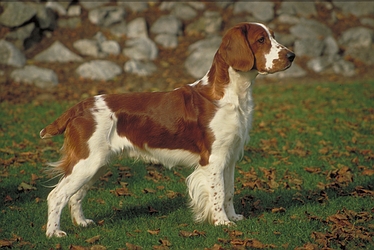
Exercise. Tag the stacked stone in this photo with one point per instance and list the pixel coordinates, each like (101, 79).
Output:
(325, 51)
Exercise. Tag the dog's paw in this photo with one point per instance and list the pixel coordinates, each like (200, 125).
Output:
(236, 217)
(56, 233)
(225, 223)
(85, 222)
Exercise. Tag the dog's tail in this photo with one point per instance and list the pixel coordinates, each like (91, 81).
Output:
(59, 125)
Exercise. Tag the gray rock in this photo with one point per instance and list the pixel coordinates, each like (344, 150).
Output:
(22, 33)
(211, 42)
(344, 68)
(137, 28)
(167, 5)
(59, 8)
(41, 77)
(200, 59)
(11, 55)
(303, 9)
(288, 19)
(72, 23)
(99, 37)
(331, 46)
(167, 25)
(110, 47)
(92, 4)
(263, 11)
(167, 40)
(141, 48)
(88, 47)
(45, 16)
(134, 6)
(367, 21)
(357, 37)
(225, 4)
(106, 16)
(16, 13)
(57, 52)
(119, 29)
(99, 70)
(308, 28)
(74, 10)
(212, 21)
(99, 46)
(309, 47)
(356, 8)
(140, 68)
(287, 40)
(320, 64)
(364, 55)
(184, 11)
(197, 5)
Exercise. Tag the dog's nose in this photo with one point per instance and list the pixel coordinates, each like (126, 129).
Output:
(291, 56)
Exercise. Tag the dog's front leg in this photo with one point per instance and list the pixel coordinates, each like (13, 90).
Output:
(229, 193)
(207, 192)
(217, 196)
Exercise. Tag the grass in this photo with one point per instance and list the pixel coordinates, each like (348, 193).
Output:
(306, 180)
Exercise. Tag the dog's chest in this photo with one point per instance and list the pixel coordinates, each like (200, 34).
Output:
(232, 121)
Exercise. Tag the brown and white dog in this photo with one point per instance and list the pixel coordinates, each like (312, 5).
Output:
(203, 125)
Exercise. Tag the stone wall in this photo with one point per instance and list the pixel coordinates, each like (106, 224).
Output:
(329, 38)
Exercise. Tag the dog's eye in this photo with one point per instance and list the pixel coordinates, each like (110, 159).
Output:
(261, 40)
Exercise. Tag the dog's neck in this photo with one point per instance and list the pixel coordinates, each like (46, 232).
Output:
(223, 80)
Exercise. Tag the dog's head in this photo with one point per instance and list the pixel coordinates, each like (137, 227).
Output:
(252, 46)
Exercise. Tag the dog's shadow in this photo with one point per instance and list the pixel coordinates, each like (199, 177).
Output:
(156, 208)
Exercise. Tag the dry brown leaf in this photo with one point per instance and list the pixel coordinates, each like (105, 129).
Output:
(6, 243)
(130, 246)
(154, 232)
(165, 242)
(93, 239)
(278, 210)
(194, 233)
(98, 247)
(149, 190)
(75, 247)
(314, 170)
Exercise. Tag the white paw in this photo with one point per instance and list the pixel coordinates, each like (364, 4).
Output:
(85, 222)
(224, 223)
(57, 233)
(236, 217)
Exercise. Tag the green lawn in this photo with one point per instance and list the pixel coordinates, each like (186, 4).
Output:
(306, 180)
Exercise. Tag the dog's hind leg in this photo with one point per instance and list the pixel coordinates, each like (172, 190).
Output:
(75, 202)
(82, 174)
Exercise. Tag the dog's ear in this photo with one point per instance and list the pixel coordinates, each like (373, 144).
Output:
(235, 48)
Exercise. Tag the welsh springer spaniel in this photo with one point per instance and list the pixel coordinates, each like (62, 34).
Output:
(203, 125)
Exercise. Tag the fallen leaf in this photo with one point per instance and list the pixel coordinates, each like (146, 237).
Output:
(278, 210)
(6, 243)
(313, 170)
(75, 247)
(149, 190)
(98, 247)
(151, 210)
(93, 239)
(187, 234)
(130, 246)
(154, 232)
(24, 187)
(165, 242)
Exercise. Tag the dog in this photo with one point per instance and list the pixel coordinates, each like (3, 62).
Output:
(203, 125)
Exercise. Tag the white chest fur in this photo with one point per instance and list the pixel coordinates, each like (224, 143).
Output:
(232, 122)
